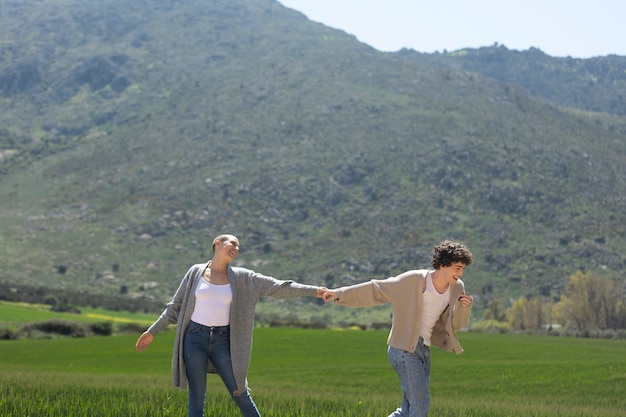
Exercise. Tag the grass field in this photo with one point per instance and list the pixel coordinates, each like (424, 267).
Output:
(307, 373)
(13, 315)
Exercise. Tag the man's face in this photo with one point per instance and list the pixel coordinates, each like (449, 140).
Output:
(454, 272)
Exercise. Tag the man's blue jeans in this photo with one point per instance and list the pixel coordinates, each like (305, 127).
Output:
(413, 369)
(200, 345)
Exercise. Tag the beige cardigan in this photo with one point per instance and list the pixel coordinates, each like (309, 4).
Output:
(405, 293)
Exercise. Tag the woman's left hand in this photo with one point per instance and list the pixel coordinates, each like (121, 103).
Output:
(320, 292)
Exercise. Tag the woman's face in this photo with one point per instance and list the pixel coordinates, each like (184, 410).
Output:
(229, 247)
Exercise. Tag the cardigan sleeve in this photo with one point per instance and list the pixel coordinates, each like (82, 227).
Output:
(377, 292)
(172, 310)
(461, 314)
(370, 293)
(272, 287)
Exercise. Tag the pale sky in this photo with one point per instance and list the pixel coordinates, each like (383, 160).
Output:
(576, 28)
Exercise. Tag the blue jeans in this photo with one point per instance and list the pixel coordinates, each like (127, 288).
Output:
(413, 369)
(200, 345)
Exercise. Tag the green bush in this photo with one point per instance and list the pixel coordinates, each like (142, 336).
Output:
(102, 329)
(51, 327)
(7, 334)
(131, 328)
(490, 326)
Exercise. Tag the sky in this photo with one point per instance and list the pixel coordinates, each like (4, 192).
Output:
(560, 28)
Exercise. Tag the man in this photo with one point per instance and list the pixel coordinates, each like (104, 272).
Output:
(428, 306)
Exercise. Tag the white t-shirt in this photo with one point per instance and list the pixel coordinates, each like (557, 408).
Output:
(212, 306)
(434, 304)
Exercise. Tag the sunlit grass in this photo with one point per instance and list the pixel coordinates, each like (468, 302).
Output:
(20, 313)
(308, 373)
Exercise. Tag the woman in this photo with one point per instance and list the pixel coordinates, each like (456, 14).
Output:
(213, 310)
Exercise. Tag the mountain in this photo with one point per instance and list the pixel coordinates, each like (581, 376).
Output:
(595, 84)
(131, 133)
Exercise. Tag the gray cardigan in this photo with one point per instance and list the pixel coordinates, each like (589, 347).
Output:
(247, 287)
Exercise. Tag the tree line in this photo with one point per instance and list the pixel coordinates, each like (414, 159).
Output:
(591, 306)
(69, 300)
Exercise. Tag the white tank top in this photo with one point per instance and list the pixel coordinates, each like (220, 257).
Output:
(434, 305)
(212, 306)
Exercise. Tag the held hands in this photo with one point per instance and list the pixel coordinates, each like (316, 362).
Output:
(320, 292)
(326, 294)
(329, 296)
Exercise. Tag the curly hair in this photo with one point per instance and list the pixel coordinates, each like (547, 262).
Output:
(448, 252)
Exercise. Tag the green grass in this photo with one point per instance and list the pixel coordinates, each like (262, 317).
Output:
(13, 315)
(323, 373)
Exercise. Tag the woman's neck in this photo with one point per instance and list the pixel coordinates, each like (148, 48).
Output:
(218, 266)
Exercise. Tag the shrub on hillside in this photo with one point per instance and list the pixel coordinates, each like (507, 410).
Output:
(51, 327)
(104, 328)
(7, 334)
(65, 308)
(490, 326)
(131, 328)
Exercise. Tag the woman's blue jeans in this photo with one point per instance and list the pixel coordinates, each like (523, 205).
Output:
(200, 345)
(413, 369)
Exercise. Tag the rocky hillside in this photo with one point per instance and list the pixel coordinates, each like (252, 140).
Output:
(595, 84)
(133, 132)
